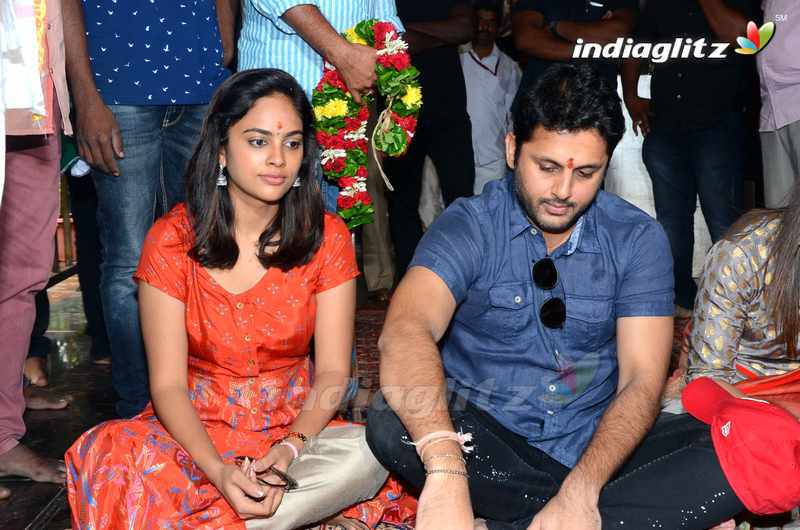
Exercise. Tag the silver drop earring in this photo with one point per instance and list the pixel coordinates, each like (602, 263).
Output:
(297, 182)
(222, 180)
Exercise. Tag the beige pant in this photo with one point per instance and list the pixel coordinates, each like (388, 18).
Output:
(335, 471)
(377, 252)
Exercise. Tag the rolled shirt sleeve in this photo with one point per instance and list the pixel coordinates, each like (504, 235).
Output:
(452, 249)
(647, 287)
(274, 10)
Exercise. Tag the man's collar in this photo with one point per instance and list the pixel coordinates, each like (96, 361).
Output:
(583, 236)
(467, 48)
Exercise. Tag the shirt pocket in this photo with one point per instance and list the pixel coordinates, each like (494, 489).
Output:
(510, 313)
(590, 322)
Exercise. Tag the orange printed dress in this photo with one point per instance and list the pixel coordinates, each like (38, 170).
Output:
(249, 373)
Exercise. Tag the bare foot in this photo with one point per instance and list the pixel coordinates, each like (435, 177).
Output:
(35, 371)
(37, 400)
(4, 493)
(341, 522)
(21, 461)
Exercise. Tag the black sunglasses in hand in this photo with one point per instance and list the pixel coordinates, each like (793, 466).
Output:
(553, 312)
(272, 476)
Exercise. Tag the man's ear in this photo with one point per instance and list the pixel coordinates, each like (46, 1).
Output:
(511, 150)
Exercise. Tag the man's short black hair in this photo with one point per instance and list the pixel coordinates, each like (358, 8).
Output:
(570, 97)
(489, 5)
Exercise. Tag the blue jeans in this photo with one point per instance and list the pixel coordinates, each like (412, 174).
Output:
(158, 142)
(683, 165)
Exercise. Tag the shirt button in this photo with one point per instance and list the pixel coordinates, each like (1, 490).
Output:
(550, 412)
(678, 96)
(517, 299)
(254, 410)
(551, 388)
(247, 338)
(680, 74)
(251, 362)
(533, 232)
(239, 305)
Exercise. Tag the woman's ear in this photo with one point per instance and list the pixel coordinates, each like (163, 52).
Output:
(222, 158)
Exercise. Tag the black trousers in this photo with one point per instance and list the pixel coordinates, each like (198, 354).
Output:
(444, 133)
(83, 203)
(672, 481)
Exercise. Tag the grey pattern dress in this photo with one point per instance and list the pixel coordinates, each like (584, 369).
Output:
(733, 335)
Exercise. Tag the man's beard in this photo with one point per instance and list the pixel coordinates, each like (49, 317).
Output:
(530, 209)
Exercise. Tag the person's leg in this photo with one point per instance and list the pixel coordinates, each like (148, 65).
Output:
(36, 364)
(451, 136)
(126, 206)
(673, 480)
(718, 160)
(781, 163)
(377, 243)
(488, 173)
(675, 195)
(335, 471)
(405, 174)
(508, 479)
(83, 203)
(181, 131)
(27, 228)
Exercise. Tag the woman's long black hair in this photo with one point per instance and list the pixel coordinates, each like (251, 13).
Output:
(300, 218)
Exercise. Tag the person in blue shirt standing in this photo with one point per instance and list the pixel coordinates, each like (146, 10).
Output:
(141, 74)
(551, 302)
(295, 36)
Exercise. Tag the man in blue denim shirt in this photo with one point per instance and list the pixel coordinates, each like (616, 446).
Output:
(552, 305)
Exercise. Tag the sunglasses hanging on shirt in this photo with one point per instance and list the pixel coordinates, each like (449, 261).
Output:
(553, 312)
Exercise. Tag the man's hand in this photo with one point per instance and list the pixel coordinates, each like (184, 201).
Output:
(356, 65)
(567, 512)
(98, 137)
(444, 503)
(639, 109)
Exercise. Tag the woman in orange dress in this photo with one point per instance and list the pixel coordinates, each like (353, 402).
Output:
(232, 286)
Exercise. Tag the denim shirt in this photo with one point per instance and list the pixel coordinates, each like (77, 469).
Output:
(550, 386)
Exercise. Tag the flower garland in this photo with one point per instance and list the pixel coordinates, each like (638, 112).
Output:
(342, 123)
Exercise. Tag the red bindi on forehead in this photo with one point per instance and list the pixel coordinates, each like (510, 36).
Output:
(570, 163)
(280, 125)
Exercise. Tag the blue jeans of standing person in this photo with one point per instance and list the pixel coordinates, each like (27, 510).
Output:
(158, 142)
(684, 165)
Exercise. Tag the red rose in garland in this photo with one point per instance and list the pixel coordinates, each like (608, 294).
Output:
(342, 123)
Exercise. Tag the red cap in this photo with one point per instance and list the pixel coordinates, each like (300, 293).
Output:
(757, 443)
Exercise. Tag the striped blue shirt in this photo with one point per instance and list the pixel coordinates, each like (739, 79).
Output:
(267, 41)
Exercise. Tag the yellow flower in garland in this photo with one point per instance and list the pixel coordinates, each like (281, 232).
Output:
(412, 97)
(355, 38)
(334, 108)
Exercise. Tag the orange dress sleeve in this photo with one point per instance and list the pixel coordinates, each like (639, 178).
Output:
(164, 263)
(337, 253)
